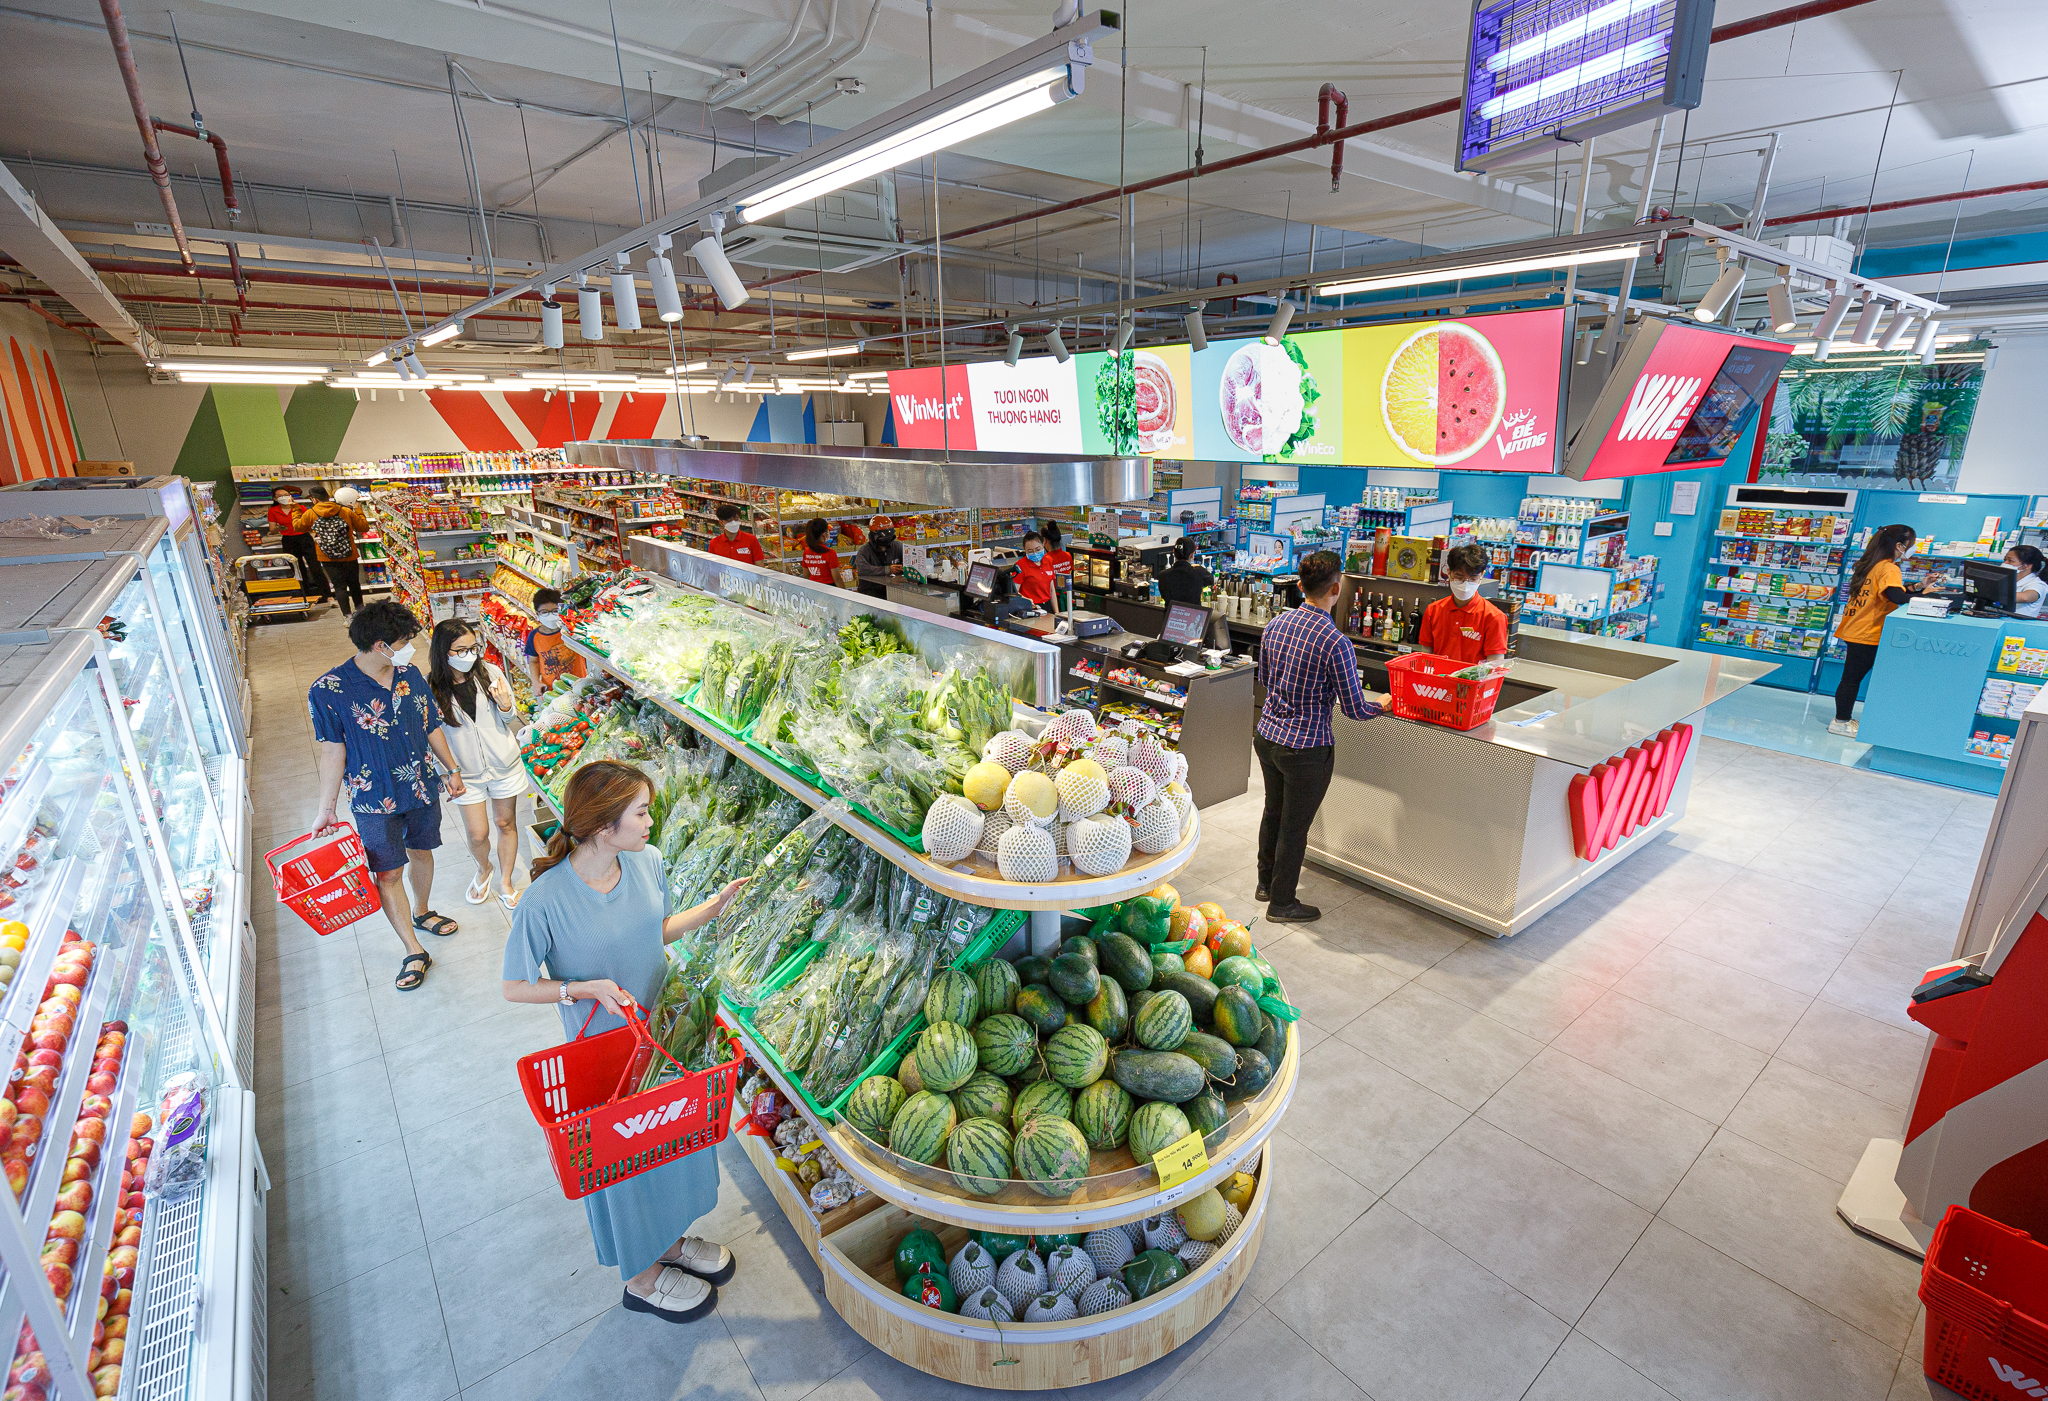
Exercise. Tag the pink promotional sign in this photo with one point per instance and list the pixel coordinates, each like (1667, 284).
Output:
(931, 408)
(1690, 400)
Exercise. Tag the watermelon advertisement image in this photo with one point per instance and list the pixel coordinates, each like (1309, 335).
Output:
(1478, 394)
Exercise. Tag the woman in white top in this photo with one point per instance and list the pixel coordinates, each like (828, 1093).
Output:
(2029, 593)
(478, 716)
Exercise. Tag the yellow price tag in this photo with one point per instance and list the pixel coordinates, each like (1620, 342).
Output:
(1181, 1159)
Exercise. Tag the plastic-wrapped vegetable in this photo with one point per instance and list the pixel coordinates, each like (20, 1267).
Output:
(783, 899)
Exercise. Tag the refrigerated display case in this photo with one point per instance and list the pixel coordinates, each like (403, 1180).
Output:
(189, 575)
(101, 974)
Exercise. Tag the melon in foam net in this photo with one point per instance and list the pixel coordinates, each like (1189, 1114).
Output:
(1443, 393)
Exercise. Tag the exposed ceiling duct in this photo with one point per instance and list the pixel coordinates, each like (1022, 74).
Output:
(31, 238)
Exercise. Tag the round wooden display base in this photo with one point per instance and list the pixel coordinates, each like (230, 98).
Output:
(860, 1282)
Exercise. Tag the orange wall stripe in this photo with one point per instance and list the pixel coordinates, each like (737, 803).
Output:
(26, 387)
(25, 461)
(61, 410)
(636, 416)
(473, 420)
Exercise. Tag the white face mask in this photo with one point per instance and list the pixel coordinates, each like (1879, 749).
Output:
(1463, 589)
(549, 622)
(461, 661)
(403, 655)
(732, 527)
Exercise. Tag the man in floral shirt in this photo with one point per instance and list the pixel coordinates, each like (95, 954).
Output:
(378, 731)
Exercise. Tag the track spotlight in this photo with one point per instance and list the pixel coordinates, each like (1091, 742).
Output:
(730, 371)
(404, 367)
(551, 321)
(710, 256)
(1198, 335)
(1866, 322)
(625, 297)
(1896, 331)
(412, 362)
(1783, 318)
(1924, 346)
(1821, 350)
(1016, 350)
(1831, 319)
(1724, 290)
(668, 301)
(1277, 327)
(1058, 347)
(1585, 348)
(747, 378)
(589, 313)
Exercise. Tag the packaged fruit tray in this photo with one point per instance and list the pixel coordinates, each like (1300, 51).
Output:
(996, 933)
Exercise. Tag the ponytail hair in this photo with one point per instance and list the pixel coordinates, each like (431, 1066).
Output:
(597, 796)
(1884, 545)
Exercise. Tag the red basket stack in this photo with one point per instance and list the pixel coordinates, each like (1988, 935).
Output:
(324, 879)
(598, 1133)
(1424, 689)
(1986, 1290)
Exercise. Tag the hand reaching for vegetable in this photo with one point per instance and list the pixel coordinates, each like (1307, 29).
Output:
(726, 896)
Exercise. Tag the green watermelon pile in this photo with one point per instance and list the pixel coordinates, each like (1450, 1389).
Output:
(1116, 1042)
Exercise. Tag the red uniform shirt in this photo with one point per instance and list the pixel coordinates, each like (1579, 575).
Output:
(1468, 634)
(1034, 581)
(743, 547)
(1062, 565)
(282, 516)
(821, 566)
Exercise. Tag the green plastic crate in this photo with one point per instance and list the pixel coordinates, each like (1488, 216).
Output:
(708, 718)
(993, 936)
(802, 775)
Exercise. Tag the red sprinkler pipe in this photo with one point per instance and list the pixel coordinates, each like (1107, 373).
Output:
(1324, 98)
(159, 172)
(1849, 209)
(227, 195)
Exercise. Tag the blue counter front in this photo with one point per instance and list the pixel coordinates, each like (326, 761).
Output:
(1926, 699)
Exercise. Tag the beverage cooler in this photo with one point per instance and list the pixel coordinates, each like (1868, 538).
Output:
(132, 1235)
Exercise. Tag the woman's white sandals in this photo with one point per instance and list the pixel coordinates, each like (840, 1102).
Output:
(479, 890)
(701, 1257)
(509, 900)
(677, 1296)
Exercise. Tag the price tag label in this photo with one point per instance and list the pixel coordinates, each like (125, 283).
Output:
(1180, 1160)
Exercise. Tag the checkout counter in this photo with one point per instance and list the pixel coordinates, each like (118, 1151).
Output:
(1944, 699)
(1478, 824)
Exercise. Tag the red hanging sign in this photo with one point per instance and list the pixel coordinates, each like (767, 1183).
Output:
(1612, 800)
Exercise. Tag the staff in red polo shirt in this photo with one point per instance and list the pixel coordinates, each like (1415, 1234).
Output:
(1062, 563)
(1464, 627)
(1034, 571)
(821, 561)
(734, 540)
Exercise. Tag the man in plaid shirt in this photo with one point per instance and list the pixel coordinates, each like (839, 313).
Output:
(1306, 665)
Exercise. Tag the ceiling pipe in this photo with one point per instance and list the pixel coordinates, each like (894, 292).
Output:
(767, 67)
(159, 171)
(1339, 134)
(1846, 210)
(591, 36)
(791, 103)
(1324, 98)
(227, 195)
(758, 98)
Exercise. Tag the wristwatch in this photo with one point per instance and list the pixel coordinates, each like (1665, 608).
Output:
(565, 999)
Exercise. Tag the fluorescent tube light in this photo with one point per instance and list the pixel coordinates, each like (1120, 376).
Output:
(1577, 76)
(1619, 253)
(823, 352)
(1022, 97)
(442, 333)
(225, 377)
(869, 374)
(1570, 32)
(379, 358)
(238, 367)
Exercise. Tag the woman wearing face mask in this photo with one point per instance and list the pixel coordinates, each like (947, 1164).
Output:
(734, 540)
(479, 717)
(1034, 571)
(1464, 627)
(2030, 592)
(880, 557)
(284, 514)
(1875, 588)
(821, 561)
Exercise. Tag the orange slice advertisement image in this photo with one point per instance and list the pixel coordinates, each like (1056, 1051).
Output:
(1479, 395)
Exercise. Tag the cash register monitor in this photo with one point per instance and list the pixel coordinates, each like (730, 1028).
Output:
(1988, 588)
(1185, 624)
(981, 580)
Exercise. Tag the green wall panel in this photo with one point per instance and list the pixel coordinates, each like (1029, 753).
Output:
(316, 419)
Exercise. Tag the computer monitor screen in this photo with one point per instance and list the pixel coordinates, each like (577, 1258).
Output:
(981, 580)
(1988, 585)
(1185, 624)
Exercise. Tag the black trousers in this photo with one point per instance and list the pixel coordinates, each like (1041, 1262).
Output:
(311, 575)
(345, 578)
(1296, 780)
(1862, 657)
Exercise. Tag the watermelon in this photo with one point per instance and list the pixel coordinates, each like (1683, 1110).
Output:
(1164, 1023)
(1040, 1097)
(1254, 1073)
(919, 1249)
(1164, 963)
(1237, 1018)
(921, 1127)
(979, 1155)
(996, 982)
(946, 1057)
(1216, 1056)
(932, 1289)
(1032, 970)
(1273, 1040)
(1102, 1113)
(1205, 1112)
(1051, 1156)
(986, 1096)
(873, 1105)
(999, 1246)
(1200, 992)
(1077, 1055)
(1074, 978)
(1037, 1005)
(1082, 945)
(1125, 959)
(1005, 1043)
(1152, 1271)
(1239, 971)
(906, 1069)
(953, 998)
(1153, 1127)
(1108, 1012)
(1162, 1075)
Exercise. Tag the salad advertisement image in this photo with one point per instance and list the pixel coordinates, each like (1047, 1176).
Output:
(1479, 393)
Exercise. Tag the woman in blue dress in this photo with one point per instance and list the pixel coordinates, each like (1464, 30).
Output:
(596, 914)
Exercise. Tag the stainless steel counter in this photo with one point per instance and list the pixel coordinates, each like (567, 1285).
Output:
(1476, 824)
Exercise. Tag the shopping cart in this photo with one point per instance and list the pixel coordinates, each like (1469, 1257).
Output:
(324, 879)
(599, 1130)
(1424, 689)
(272, 581)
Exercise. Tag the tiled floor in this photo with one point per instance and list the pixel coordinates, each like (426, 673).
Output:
(1791, 722)
(1599, 1159)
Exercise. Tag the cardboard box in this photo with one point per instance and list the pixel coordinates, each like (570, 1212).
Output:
(109, 468)
(1408, 558)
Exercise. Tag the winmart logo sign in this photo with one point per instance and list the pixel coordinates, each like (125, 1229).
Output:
(654, 1118)
(1660, 406)
(2017, 1379)
(1611, 801)
(912, 408)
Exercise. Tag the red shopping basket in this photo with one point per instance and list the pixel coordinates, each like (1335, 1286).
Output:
(324, 879)
(1986, 1290)
(1424, 689)
(598, 1133)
